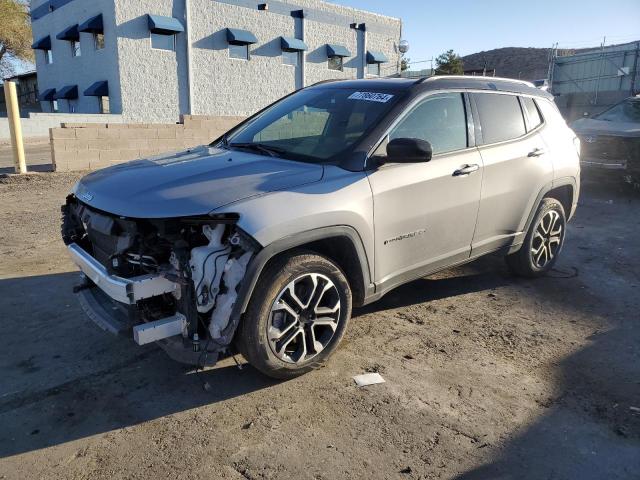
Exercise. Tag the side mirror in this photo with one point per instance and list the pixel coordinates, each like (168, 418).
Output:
(408, 150)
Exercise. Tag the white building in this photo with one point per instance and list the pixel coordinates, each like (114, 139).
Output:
(152, 60)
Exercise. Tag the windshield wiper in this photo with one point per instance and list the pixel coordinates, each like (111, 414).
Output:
(260, 147)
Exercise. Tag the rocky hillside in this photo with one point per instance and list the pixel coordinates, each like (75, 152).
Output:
(512, 62)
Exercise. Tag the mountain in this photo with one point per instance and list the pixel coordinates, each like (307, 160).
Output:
(513, 62)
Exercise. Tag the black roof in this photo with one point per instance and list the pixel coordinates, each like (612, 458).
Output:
(440, 83)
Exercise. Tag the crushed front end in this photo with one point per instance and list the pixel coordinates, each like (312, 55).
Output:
(171, 281)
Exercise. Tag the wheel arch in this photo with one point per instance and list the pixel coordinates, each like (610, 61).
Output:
(341, 244)
(564, 190)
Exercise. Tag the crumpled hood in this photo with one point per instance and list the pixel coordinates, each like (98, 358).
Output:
(189, 183)
(592, 126)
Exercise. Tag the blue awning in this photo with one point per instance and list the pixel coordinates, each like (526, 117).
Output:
(235, 36)
(42, 44)
(93, 25)
(71, 34)
(48, 95)
(70, 92)
(164, 25)
(337, 51)
(376, 57)
(292, 44)
(98, 89)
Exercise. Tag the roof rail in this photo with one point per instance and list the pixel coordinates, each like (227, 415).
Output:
(326, 81)
(474, 77)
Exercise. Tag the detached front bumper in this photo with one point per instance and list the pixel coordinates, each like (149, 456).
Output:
(108, 299)
(124, 290)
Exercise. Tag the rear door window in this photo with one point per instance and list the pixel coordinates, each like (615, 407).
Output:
(439, 119)
(500, 117)
(534, 119)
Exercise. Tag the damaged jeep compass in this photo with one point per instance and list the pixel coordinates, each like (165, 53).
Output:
(264, 240)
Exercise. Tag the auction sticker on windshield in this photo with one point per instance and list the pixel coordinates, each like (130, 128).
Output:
(371, 97)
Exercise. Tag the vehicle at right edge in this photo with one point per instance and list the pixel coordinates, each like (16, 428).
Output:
(611, 140)
(264, 240)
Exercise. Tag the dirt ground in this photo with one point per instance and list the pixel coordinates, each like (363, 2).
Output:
(37, 155)
(487, 376)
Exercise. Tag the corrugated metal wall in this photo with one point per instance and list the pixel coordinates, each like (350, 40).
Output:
(592, 81)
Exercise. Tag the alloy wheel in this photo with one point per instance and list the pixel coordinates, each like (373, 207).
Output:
(304, 318)
(547, 239)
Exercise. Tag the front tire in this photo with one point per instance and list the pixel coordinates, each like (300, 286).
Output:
(543, 242)
(296, 317)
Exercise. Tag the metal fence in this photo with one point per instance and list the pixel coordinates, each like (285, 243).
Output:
(591, 81)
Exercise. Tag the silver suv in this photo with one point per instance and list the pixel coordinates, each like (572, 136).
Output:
(264, 240)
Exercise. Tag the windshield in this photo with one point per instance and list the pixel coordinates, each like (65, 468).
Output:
(317, 125)
(625, 111)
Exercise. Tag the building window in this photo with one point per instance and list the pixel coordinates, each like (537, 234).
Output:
(98, 40)
(239, 51)
(48, 57)
(72, 106)
(374, 69)
(161, 41)
(54, 106)
(336, 63)
(75, 48)
(290, 58)
(104, 104)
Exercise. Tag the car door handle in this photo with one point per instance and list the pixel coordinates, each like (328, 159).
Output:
(536, 152)
(466, 170)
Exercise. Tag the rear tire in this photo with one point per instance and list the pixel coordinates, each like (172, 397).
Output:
(296, 317)
(543, 242)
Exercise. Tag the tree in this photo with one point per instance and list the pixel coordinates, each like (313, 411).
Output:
(15, 34)
(404, 63)
(449, 63)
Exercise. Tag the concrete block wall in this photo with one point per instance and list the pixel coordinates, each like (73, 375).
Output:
(150, 85)
(92, 66)
(227, 86)
(94, 146)
(153, 82)
(38, 124)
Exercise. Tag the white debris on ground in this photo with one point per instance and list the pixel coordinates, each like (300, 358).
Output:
(368, 379)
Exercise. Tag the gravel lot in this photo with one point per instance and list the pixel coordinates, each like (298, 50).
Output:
(37, 154)
(488, 376)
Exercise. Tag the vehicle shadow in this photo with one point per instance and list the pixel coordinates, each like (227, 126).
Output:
(63, 379)
(589, 429)
(590, 426)
(484, 274)
(42, 168)
(71, 380)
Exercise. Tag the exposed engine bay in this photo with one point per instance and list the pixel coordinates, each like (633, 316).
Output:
(170, 281)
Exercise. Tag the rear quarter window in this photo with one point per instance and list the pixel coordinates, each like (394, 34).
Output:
(534, 119)
(500, 117)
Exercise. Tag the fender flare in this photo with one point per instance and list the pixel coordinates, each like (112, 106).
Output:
(259, 261)
(560, 182)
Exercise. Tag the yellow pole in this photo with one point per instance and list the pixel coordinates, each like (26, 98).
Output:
(15, 127)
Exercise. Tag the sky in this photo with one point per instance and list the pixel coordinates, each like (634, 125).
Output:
(469, 26)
